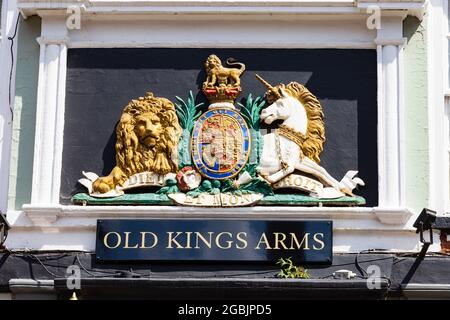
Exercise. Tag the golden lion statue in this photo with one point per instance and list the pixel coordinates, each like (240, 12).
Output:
(147, 140)
(219, 76)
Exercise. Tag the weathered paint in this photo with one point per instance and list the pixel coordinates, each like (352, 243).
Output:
(24, 113)
(416, 120)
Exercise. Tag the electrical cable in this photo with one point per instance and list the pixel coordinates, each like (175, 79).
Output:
(246, 274)
(5, 228)
(90, 273)
(47, 265)
(48, 271)
(325, 277)
(12, 65)
(5, 235)
(103, 274)
(365, 274)
(358, 266)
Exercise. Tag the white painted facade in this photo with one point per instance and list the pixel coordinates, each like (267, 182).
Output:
(438, 120)
(7, 80)
(444, 110)
(47, 225)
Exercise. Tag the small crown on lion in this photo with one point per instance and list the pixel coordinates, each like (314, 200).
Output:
(221, 94)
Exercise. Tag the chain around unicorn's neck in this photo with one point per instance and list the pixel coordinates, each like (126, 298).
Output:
(295, 136)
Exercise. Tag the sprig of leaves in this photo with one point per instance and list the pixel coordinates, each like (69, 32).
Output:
(251, 168)
(291, 271)
(188, 112)
(251, 110)
(256, 185)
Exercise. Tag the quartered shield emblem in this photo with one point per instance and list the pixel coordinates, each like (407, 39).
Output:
(220, 143)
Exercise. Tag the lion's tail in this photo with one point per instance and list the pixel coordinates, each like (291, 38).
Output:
(232, 61)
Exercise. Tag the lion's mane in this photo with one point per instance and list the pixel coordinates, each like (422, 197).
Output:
(132, 156)
(212, 62)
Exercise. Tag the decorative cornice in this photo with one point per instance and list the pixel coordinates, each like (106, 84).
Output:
(393, 215)
(31, 7)
(43, 216)
(46, 41)
(390, 42)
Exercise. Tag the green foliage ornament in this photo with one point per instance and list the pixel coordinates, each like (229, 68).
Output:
(207, 186)
(170, 187)
(250, 111)
(187, 112)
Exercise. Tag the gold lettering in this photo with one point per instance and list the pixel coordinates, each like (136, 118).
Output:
(127, 240)
(263, 239)
(234, 199)
(279, 241)
(143, 237)
(172, 239)
(188, 240)
(241, 237)
(132, 181)
(316, 239)
(201, 199)
(298, 181)
(159, 179)
(155, 179)
(224, 199)
(299, 245)
(217, 199)
(200, 236)
(230, 242)
(308, 184)
(105, 240)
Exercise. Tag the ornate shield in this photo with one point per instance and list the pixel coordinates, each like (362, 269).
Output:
(220, 143)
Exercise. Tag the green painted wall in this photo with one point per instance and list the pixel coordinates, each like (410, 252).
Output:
(416, 117)
(27, 70)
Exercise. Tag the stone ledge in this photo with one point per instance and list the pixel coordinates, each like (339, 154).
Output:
(75, 216)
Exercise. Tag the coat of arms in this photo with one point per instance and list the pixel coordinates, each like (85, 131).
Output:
(217, 156)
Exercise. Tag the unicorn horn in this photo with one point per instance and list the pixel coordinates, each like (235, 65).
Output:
(268, 85)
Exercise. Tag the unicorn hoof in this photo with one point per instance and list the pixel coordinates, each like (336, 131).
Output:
(347, 192)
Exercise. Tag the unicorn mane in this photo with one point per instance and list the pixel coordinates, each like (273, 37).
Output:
(315, 135)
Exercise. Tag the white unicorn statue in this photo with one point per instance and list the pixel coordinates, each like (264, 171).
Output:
(298, 142)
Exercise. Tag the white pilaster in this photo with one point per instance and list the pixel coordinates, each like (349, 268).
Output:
(50, 111)
(390, 110)
(437, 73)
